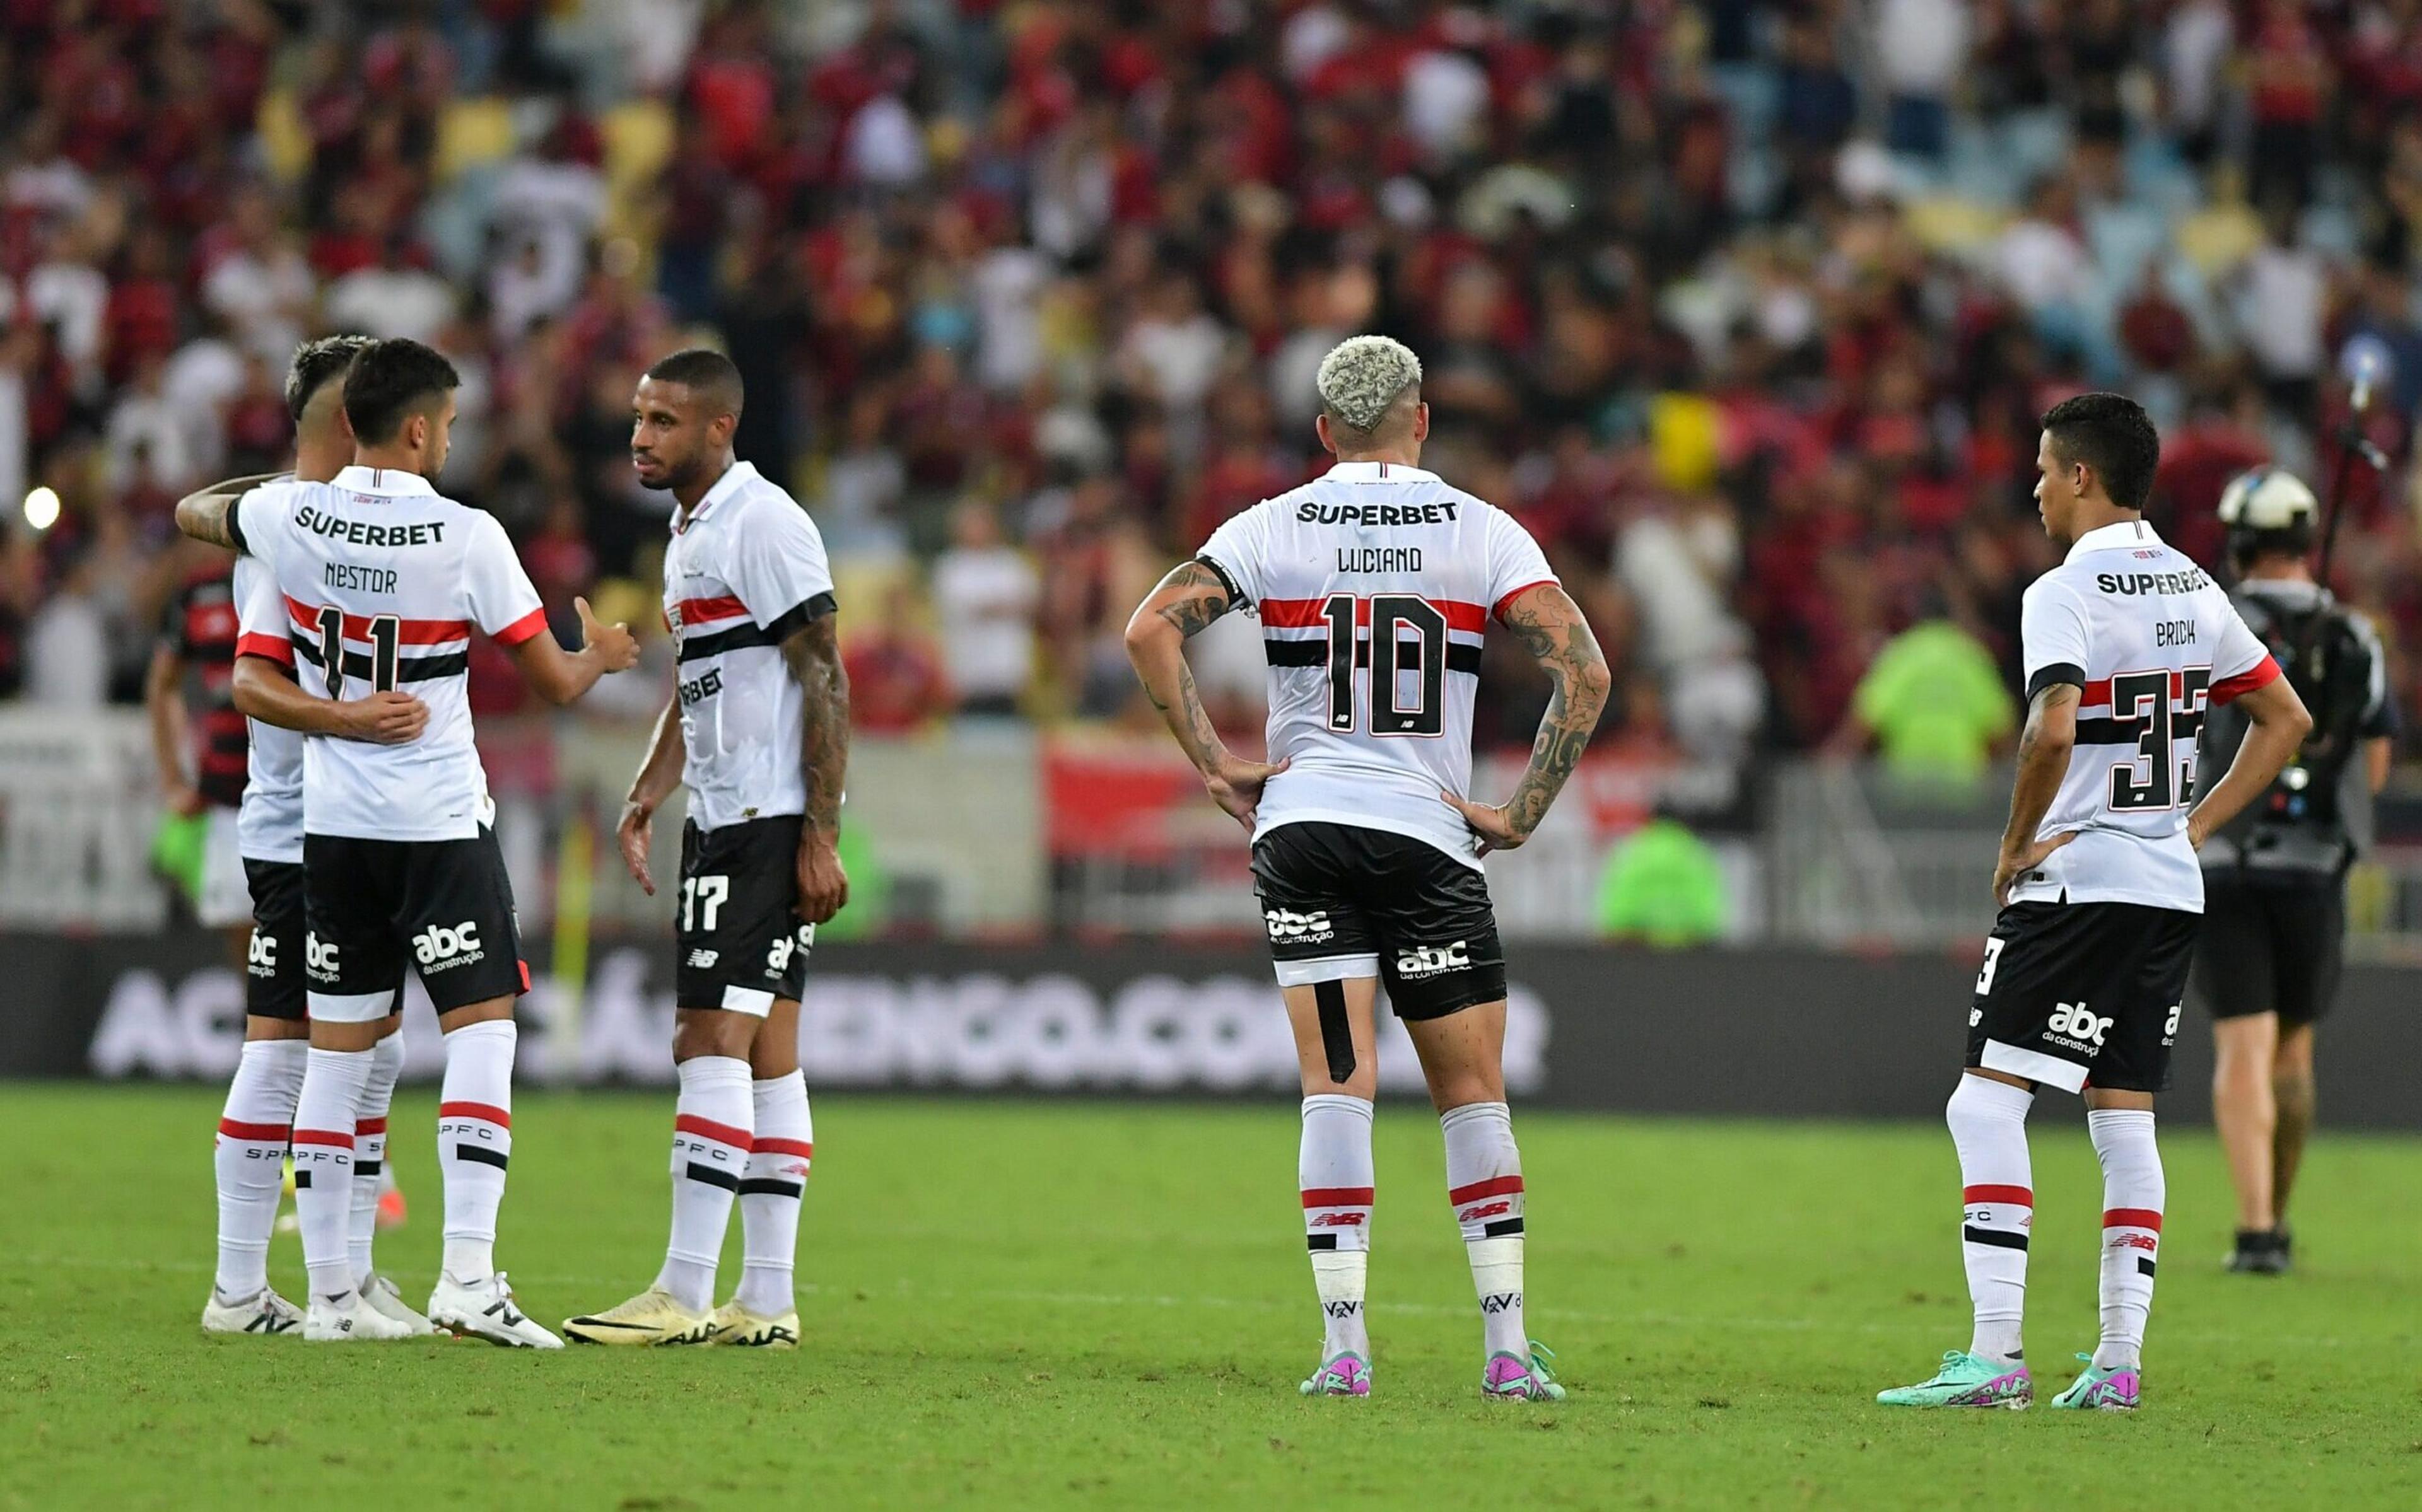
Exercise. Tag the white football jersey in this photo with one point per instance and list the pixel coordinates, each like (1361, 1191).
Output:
(742, 573)
(269, 826)
(383, 581)
(2154, 643)
(1375, 583)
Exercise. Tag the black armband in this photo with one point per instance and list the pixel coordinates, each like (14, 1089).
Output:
(1236, 595)
(2054, 675)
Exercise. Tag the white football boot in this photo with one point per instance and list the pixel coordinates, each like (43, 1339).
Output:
(265, 1312)
(350, 1319)
(380, 1293)
(485, 1309)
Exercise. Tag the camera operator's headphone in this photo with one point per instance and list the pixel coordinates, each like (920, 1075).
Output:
(2268, 509)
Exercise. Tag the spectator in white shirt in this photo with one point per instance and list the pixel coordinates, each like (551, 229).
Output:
(985, 593)
(392, 299)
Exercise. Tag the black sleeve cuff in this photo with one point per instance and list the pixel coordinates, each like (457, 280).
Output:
(2054, 675)
(235, 524)
(799, 616)
(1236, 595)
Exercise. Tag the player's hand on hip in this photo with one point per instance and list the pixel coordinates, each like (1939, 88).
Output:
(614, 643)
(632, 835)
(2014, 865)
(387, 718)
(823, 882)
(1236, 785)
(1489, 823)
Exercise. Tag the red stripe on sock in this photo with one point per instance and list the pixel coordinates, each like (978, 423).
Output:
(261, 1133)
(370, 1125)
(690, 1123)
(804, 1149)
(1338, 1196)
(324, 1136)
(488, 1110)
(1496, 1186)
(2020, 1195)
(2132, 1218)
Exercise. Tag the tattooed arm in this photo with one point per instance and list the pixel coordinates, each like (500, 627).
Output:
(1189, 599)
(204, 514)
(813, 653)
(2043, 762)
(1550, 626)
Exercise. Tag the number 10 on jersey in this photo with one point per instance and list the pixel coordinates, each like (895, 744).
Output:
(1388, 616)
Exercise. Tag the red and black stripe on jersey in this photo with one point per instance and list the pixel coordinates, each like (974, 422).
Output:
(1462, 620)
(200, 629)
(710, 627)
(421, 650)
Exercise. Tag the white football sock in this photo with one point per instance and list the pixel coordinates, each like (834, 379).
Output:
(781, 1153)
(1988, 1125)
(369, 1151)
(2134, 1191)
(250, 1160)
(712, 1132)
(475, 1142)
(324, 1164)
(1484, 1180)
(1334, 1172)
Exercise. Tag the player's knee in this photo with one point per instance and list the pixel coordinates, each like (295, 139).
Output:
(713, 1032)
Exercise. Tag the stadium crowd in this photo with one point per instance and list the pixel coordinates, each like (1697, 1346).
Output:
(1747, 310)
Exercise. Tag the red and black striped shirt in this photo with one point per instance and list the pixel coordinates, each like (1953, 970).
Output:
(199, 628)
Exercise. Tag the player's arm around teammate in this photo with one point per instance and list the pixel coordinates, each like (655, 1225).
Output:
(758, 729)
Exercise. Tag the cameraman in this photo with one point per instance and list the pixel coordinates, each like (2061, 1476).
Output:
(2268, 958)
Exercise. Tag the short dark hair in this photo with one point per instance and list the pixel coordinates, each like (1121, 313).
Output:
(389, 380)
(2112, 434)
(315, 363)
(705, 372)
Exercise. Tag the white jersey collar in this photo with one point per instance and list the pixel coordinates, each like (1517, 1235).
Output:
(736, 478)
(2126, 533)
(382, 481)
(1377, 473)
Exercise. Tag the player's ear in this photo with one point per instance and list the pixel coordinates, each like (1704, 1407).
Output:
(1320, 428)
(1421, 420)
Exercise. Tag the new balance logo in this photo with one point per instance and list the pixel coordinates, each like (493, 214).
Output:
(317, 960)
(439, 948)
(1431, 960)
(1287, 925)
(2075, 1022)
(1339, 1221)
(1494, 1209)
(701, 960)
(1341, 1309)
(2135, 1241)
(1500, 1301)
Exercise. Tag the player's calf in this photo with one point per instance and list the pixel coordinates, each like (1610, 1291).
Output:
(1335, 1177)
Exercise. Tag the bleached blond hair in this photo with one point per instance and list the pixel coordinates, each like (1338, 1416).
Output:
(1362, 378)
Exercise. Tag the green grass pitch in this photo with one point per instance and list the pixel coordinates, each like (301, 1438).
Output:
(1031, 1304)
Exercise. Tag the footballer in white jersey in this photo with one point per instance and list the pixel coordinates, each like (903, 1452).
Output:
(384, 582)
(1375, 584)
(250, 1156)
(2128, 646)
(758, 729)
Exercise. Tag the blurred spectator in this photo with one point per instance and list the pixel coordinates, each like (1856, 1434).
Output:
(1935, 703)
(896, 682)
(985, 593)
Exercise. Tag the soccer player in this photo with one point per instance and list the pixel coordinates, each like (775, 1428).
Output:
(1375, 583)
(385, 580)
(197, 634)
(252, 1136)
(2268, 960)
(2127, 645)
(758, 727)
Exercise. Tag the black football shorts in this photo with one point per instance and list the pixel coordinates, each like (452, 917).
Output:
(2080, 994)
(272, 982)
(1342, 901)
(443, 907)
(2271, 945)
(738, 941)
